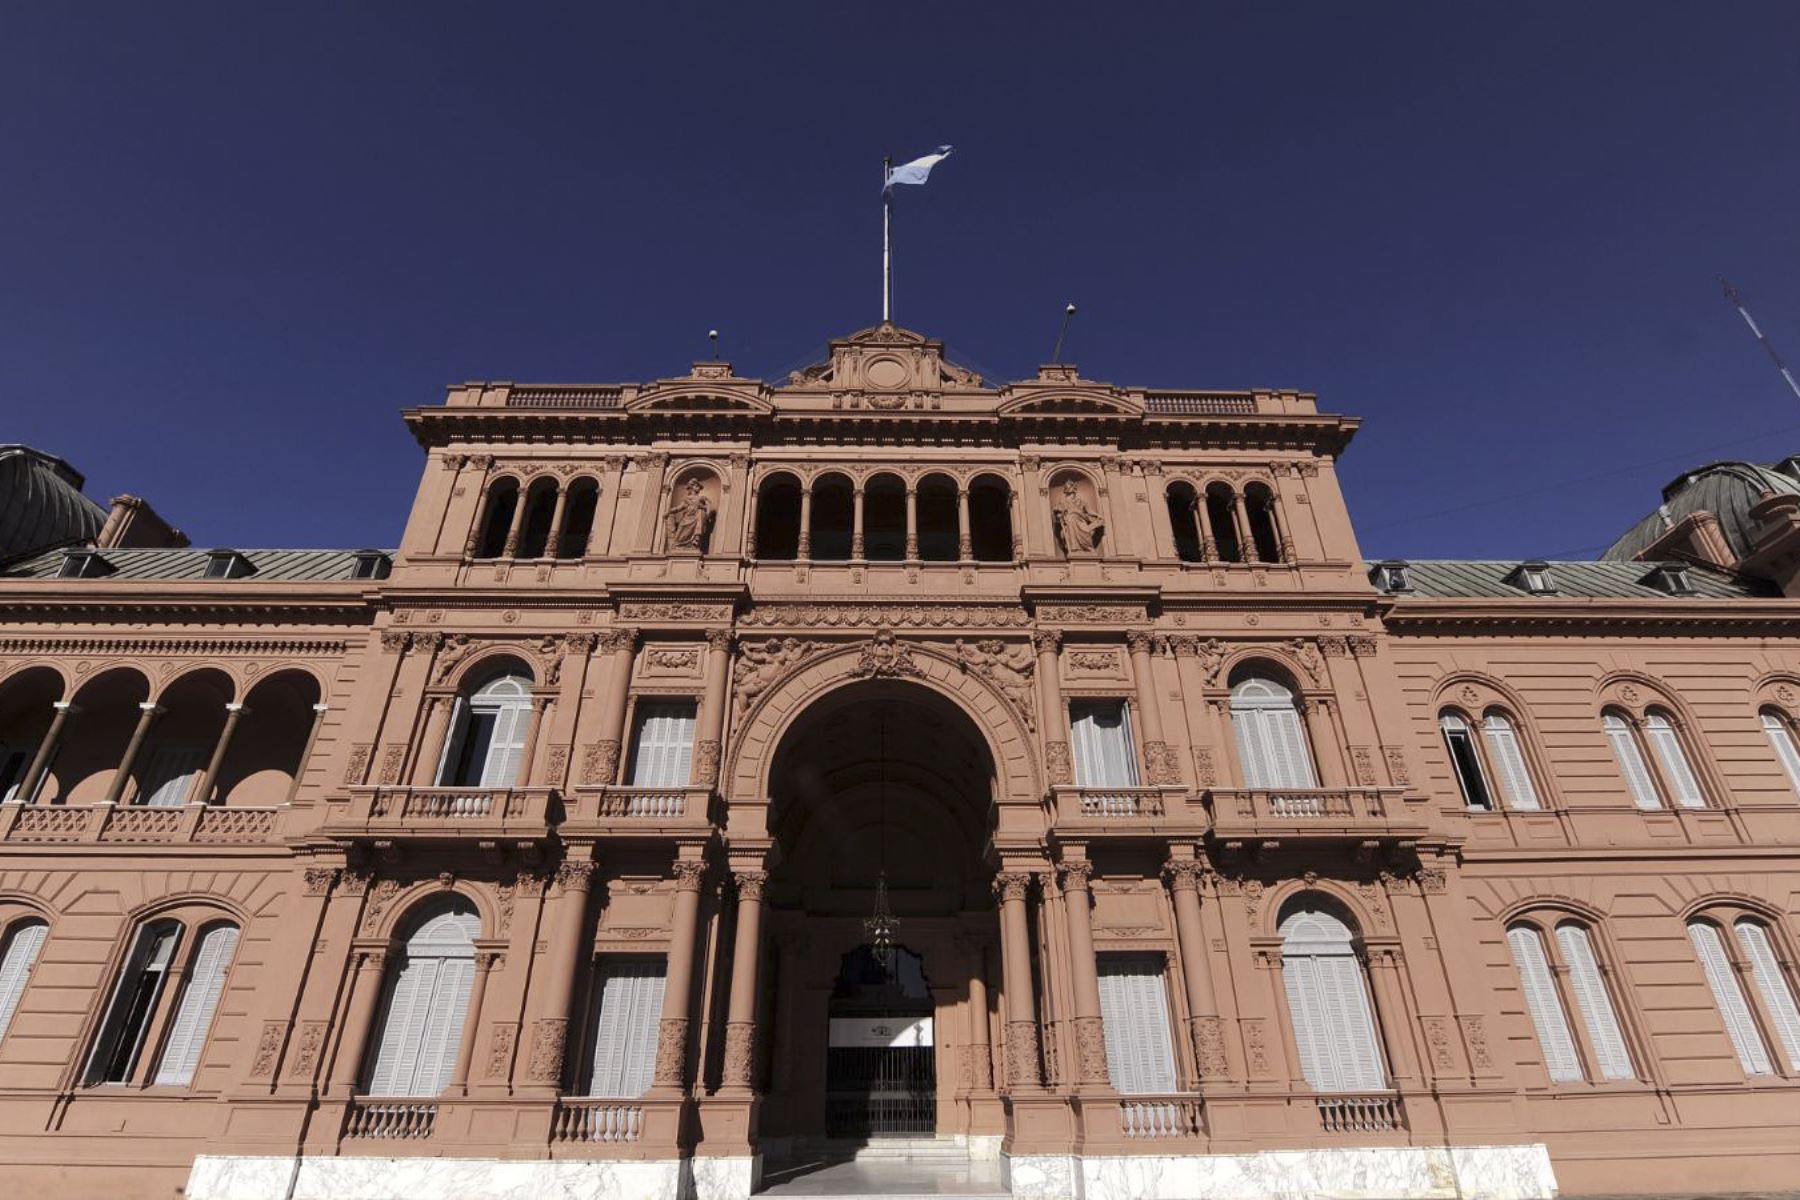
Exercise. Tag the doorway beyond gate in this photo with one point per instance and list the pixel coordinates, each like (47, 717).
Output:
(881, 1053)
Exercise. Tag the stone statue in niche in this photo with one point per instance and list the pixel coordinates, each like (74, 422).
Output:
(1078, 527)
(690, 519)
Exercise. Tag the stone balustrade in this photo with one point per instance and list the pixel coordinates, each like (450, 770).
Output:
(1171, 1116)
(390, 1119)
(1372, 1113)
(134, 825)
(592, 1120)
(439, 813)
(1316, 814)
(627, 811)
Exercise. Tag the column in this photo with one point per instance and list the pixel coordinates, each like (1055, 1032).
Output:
(554, 542)
(1058, 768)
(1391, 1013)
(981, 1054)
(1090, 1033)
(430, 750)
(1204, 1026)
(550, 1031)
(912, 522)
(1209, 545)
(147, 712)
(312, 739)
(1159, 763)
(1246, 545)
(359, 1020)
(518, 521)
(1021, 1006)
(746, 959)
(711, 737)
(601, 764)
(964, 535)
(856, 523)
(532, 734)
(1016, 515)
(678, 983)
(202, 792)
(805, 548)
(40, 762)
(485, 961)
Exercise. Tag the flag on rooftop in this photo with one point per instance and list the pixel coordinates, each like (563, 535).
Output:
(917, 170)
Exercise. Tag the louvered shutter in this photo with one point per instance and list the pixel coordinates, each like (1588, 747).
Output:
(445, 1016)
(1552, 1024)
(428, 1001)
(1631, 762)
(1591, 996)
(1680, 775)
(194, 1013)
(402, 1026)
(1103, 751)
(451, 759)
(1739, 1024)
(663, 753)
(1328, 999)
(506, 749)
(1781, 740)
(1134, 1010)
(1287, 743)
(22, 947)
(170, 776)
(1777, 992)
(1509, 762)
(1300, 979)
(625, 1028)
(1253, 754)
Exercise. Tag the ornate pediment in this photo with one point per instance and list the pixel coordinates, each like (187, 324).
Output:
(702, 394)
(884, 364)
(1062, 400)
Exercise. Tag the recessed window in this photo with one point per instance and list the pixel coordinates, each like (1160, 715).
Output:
(371, 564)
(83, 564)
(488, 739)
(1465, 760)
(625, 1027)
(1328, 1003)
(134, 1003)
(662, 747)
(1781, 741)
(227, 564)
(1391, 575)
(23, 941)
(1271, 738)
(414, 1051)
(1671, 578)
(1104, 756)
(1134, 1007)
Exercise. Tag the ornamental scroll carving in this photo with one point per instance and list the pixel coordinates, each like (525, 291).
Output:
(1022, 1054)
(600, 762)
(740, 1042)
(268, 1046)
(671, 1051)
(1090, 1045)
(706, 762)
(1058, 768)
(1209, 1046)
(548, 1038)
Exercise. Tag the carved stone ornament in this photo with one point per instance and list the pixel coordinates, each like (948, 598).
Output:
(740, 1043)
(1396, 763)
(548, 1039)
(1090, 1048)
(1076, 875)
(600, 762)
(1009, 667)
(762, 665)
(1058, 767)
(885, 656)
(1184, 873)
(1209, 1046)
(268, 1046)
(1047, 641)
(575, 874)
(750, 885)
(1022, 1054)
(706, 762)
(1206, 771)
(671, 1051)
(1160, 767)
(839, 615)
(1475, 1037)
(306, 1049)
(689, 874)
(319, 880)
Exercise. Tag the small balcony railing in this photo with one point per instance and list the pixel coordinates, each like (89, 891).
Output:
(401, 1120)
(1302, 814)
(1121, 802)
(1161, 1117)
(1128, 808)
(582, 1120)
(137, 825)
(625, 811)
(442, 812)
(1371, 1113)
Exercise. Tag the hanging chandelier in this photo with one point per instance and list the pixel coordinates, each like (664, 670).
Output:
(882, 925)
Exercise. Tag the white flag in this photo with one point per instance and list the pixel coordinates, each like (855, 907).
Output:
(916, 170)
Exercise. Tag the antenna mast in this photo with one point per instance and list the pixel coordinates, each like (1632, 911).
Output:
(1737, 302)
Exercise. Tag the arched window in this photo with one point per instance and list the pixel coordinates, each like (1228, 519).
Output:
(1328, 1001)
(1271, 740)
(884, 519)
(1671, 756)
(1259, 509)
(1781, 740)
(502, 501)
(990, 519)
(540, 511)
(427, 1002)
(1722, 980)
(1221, 517)
(578, 518)
(1774, 985)
(1184, 520)
(487, 740)
(833, 515)
(1623, 738)
(937, 519)
(19, 955)
(1492, 768)
(778, 518)
(1545, 968)
(1508, 760)
(1465, 760)
(159, 952)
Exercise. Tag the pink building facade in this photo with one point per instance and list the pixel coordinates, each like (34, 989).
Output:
(725, 771)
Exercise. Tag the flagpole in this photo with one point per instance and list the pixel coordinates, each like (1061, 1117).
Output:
(887, 241)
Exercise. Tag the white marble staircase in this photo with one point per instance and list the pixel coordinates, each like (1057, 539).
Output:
(893, 1168)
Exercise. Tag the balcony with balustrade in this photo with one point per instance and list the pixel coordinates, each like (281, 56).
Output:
(618, 811)
(138, 825)
(1381, 815)
(1132, 811)
(453, 814)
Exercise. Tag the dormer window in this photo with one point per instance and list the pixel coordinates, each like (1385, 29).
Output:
(371, 564)
(83, 564)
(227, 564)
(1391, 575)
(1533, 577)
(1671, 578)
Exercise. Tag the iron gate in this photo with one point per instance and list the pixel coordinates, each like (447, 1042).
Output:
(875, 1090)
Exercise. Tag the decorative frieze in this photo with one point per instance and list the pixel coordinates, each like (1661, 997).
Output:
(893, 616)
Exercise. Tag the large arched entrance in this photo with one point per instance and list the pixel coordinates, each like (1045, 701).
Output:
(881, 1032)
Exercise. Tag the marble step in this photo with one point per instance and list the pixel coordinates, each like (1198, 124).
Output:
(920, 1150)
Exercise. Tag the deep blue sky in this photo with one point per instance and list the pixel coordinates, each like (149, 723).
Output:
(235, 239)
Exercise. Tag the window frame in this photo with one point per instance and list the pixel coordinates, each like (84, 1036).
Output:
(13, 926)
(190, 925)
(1476, 759)
(634, 732)
(1128, 731)
(1165, 1003)
(1291, 989)
(1295, 704)
(1782, 1047)
(1777, 722)
(469, 704)
(1578, 1018)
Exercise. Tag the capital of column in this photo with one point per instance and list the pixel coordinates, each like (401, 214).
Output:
(1047, 641)
(750, 885)
(1139, 642)
(622, 638)
(575, 874)
(718, 639)
(1184, 874)
(689, 874)
(1076, 875)
(1011, 885)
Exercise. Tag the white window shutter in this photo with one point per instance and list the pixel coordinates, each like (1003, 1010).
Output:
(1253, 756)
(402, 1025)
(428, 1001)
(1552, 1024)
(444, 1020)
(625, 1028)
(1781, 740)
(1300, 979)
(1676, 769)
(1134, 1011)
(1352, 1023)
(512, 723)
(1595, 1002)
(199, 1000)
(1631, 762)
(1104, 755)
(170, 775)
(22, 947)
(1328, 1000)
(1776, 989)
(1509, 762)
(663, 753)
(1739, 1024)
(1287, 737)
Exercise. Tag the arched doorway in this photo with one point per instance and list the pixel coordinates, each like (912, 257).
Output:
(881, 780)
